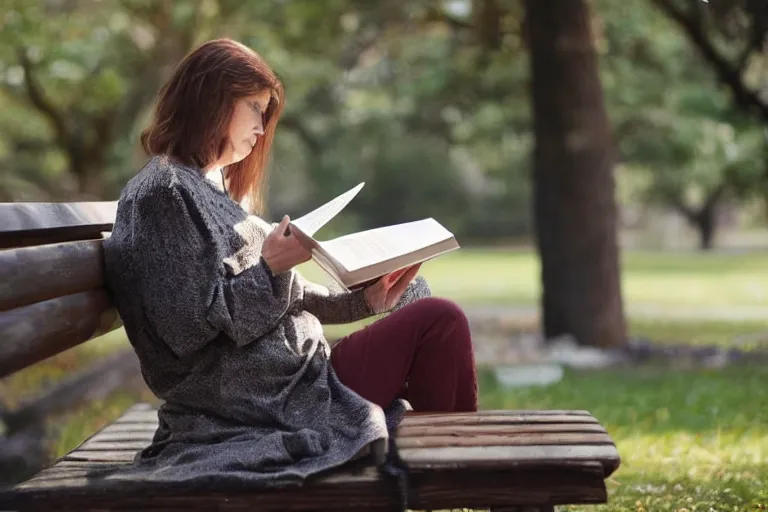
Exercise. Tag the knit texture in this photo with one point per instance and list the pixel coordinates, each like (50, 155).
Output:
(236, 354)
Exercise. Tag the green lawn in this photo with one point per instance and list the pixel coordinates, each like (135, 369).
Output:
(689, 440)
(658, 280)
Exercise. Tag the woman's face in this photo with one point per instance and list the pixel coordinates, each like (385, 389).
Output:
(246, 126)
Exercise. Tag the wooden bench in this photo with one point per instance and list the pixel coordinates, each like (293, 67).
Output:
(52, 298)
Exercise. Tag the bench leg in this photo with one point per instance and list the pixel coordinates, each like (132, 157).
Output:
(532, 508)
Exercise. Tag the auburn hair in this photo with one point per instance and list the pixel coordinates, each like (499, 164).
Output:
(194, 109)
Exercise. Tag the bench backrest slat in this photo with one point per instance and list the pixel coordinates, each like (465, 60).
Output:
(32, 333)
(23, 224)
(52, 294)
(33, 274)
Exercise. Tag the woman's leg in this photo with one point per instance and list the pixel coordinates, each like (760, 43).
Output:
(425, 344)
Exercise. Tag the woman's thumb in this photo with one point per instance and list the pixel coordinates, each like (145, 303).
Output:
(282, 228)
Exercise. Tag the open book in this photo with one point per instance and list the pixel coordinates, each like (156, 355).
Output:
(359, 258)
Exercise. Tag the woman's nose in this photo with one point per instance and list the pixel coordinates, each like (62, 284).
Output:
(259, 126)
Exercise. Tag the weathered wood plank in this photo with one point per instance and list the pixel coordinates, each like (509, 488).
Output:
(24, 224)
(498, 456)
(505, 412)
(119, 437)
(147, 416)
(34, 274)
(500, 417)
(101, 456)
(349, 488)
(468, 430)
(96, 445)
(505, 419)
(528, 439)
(136, 428)
(32, 333)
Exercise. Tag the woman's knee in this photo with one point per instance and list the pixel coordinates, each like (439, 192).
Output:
(443, 311)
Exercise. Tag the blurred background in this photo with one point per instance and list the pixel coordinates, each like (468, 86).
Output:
(602, 163)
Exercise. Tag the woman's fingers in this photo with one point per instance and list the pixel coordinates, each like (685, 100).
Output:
(402, 283)
(284, 251)
(283, 226)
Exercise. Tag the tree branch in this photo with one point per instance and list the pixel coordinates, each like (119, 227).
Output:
(41, 102)
(756, 37)
(714, 197)
(724, 70)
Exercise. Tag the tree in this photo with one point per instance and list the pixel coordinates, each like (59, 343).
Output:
(574, 205)
(692, 146)
(730, 36)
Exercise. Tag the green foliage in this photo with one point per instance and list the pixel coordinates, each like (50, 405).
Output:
(673, 122)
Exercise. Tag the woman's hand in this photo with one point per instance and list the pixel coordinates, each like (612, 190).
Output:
(283, 252)
(382, 295)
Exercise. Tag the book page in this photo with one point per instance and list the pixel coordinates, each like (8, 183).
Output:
(376, 245)
(310, 223)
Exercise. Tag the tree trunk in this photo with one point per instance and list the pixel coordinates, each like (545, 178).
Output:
(705, 222)
(574, 206)
(706, 234)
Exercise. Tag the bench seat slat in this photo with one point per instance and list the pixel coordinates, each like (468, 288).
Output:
(469, 430)
(532, 438)
(142, 433)
(494, 456)
(32, 333)
(498, 419)
(116, 437)
(495, 417)
(34, 274)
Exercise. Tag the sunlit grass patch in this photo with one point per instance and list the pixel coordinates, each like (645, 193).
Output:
(693, 439)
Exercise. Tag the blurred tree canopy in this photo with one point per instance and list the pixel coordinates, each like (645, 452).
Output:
(429, 99)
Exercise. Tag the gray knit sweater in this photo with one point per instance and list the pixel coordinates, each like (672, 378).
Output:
(236, 353)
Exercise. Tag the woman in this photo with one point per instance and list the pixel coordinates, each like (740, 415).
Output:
(228, 334)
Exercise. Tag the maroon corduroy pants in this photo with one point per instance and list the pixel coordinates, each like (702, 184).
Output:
(421, 352)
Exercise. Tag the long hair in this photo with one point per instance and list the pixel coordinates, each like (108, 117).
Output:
(195, 106)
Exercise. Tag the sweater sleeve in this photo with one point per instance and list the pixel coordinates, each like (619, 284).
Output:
(190, 295)
(335, 307)
(332, 306)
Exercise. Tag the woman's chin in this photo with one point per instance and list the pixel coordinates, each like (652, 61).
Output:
(239, 157)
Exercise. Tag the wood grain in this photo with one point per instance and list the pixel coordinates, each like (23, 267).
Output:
(469, 430)
(527, 439)
(495, 456)
(24, 224)
(32, 333)
(503, 419)
(33, 274)
(432, 420)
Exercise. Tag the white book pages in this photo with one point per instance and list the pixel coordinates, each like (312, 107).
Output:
(374, 246)
(310, 223)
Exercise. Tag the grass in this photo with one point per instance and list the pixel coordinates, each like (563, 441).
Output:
(701, 331)
(650, 279)
(693, 440)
